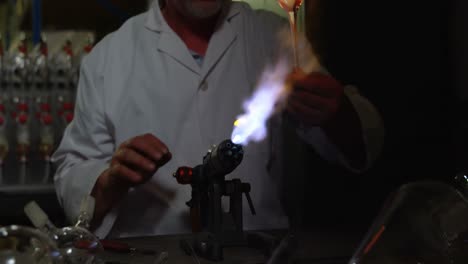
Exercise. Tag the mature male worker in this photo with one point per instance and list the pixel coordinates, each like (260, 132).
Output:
(155, 94)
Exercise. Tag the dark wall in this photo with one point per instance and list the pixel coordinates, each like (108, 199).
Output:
(100, 16)
(459, 63)
(398, 56)
(459, 46)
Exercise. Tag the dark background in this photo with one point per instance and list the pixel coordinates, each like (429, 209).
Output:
(100, 16)
(402, 58)
(407, 58)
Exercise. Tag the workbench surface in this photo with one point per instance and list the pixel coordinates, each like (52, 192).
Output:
(315, 247)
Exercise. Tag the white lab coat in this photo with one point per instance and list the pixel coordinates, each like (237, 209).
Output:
(143, 79)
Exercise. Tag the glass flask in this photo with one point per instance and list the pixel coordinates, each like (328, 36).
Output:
(461, 182)
(76, 243)
(421, 223)
(20, 244)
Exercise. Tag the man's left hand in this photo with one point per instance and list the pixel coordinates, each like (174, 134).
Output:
(315, 97)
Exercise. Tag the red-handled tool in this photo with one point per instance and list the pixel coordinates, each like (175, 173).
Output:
(115, 246)
(118, 246)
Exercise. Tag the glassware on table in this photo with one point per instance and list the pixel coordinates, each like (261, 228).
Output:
(21, 244)
(76, 243)
(421, 223)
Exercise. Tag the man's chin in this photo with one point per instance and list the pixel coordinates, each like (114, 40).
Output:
(205, 9)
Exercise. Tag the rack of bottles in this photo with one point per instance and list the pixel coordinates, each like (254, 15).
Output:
(37, 95)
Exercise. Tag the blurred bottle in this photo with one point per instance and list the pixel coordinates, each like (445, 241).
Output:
(18, 71)
(423, 222)
(61, 73)
(86, 213)
(46, 135)
(4, 78)
(2, 51)
(40, 72)
(21, 244)
(46, 143)
(3, 116)
(23, 136)
(66, 115)
(85, 51)
(89, 44)
(76, 243)
(4, 146)
(2, 67)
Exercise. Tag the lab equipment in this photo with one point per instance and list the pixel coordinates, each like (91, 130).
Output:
(39, 63)
(2, 66)
(422, 222)
(37, 88)
(46, 142)
(23, 136)
(23, 139)
(215, 229)
(17, 68)
(122, 247)
(61, 74)
(76, 243)
(40, 77)
(21, 244)
(4, 146)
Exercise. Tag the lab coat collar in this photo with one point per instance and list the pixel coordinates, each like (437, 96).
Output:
(219, 43)
(155, 20)
(171, 44)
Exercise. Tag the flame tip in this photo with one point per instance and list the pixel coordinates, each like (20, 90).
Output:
(251, 126)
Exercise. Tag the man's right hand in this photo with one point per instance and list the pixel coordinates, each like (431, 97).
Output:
(134, 162)
(137, 159)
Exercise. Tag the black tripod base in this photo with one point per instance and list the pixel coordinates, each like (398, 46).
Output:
(205, 245)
